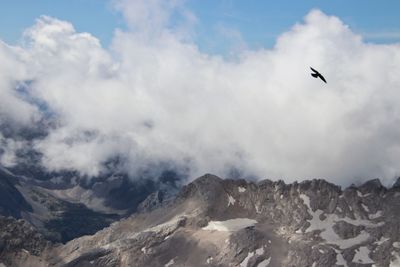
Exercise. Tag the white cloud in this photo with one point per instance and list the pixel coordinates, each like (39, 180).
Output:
(8, 150)
(233, 39)
(160, 99)
(12, 107)
(150, 18)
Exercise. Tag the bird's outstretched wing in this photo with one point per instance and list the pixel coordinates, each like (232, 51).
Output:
(314, 70)
(322, 78)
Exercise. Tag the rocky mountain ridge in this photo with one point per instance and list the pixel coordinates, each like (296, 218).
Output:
(216, 222)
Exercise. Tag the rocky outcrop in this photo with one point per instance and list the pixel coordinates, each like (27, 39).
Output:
(19, 241)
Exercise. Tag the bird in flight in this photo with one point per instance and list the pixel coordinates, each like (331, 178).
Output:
(316, 74)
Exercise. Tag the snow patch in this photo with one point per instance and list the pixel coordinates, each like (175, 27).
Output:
(172, 261)
(326, 227)
(339, 209)
(396, 260)
(396, 244)
(358, 221)
(246, 260)
(365, 208)
(362, 195)
(306, 200)
(209, 260)
(241, 189)
(264, 263)
(259, 251)
(346, 243)
(230, 225)
(257, 207)
(231, 200)
(362, 256)
(381, 241)
(375, 215)
(339, 259)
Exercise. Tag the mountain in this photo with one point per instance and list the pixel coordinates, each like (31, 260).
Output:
(64, 206)
(12, 201)
(216, 222)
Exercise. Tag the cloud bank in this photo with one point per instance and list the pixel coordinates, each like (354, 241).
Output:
(154, 98)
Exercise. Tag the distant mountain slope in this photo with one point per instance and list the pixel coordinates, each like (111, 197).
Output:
(12, 203)
(64, 206)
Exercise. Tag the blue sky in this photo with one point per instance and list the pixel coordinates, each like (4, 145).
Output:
(258, 22)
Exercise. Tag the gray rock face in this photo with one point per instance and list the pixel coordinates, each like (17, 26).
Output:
(216, 222)
(347, 230)
(397, 183)
(153, 201)
(19, 242)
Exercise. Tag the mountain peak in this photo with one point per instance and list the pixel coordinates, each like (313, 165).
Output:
(371, 185)
(397, 183)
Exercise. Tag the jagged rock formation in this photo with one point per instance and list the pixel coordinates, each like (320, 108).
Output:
(20, 243)
(215, 222)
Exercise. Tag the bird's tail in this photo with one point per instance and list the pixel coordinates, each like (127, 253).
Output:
(314, 75)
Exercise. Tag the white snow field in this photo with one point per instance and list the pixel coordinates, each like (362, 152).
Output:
(230, 225)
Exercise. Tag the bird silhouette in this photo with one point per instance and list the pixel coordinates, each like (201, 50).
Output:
(316, 74)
